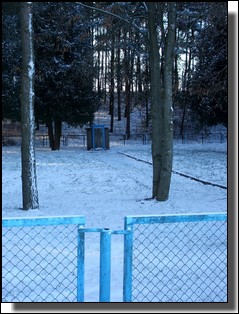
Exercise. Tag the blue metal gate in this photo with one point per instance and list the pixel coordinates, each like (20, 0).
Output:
(176, 258)
(43, 259)
(167, 258)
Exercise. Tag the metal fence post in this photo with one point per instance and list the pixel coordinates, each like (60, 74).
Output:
(80, 264)
(103, 138)
(105, 265)
(93, 136)
(128, 258)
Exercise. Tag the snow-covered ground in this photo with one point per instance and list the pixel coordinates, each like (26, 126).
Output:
(78, 181)
(105, 186)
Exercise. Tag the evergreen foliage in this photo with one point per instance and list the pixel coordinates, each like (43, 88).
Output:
(11, 61)
(209, 82)
(63, 61)
(64, 64)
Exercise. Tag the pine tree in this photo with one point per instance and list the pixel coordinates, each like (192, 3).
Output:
(208, 87)
(11, 62)
(64, 65)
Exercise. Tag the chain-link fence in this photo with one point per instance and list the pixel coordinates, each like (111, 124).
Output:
(116, 139)
(39, 259)
(167, 258)
(179, 261)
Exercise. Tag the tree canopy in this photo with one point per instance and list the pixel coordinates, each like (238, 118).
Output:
(64, 64)
(135, 49)
(208, 86)
(82, 52)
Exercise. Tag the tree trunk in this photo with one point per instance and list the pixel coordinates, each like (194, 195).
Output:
(138, 95)
(176, 80)
(105, 77)
(127, 107)
(58, 125)
(161, 105)
(183, 119)
(127, 87)
(50, 134)
(54, 134)
(119, 84)
(119, 99)
(156, 102)
(147, 111)
(29, 181)
(167, 156)
(112, 87)
(147, 96)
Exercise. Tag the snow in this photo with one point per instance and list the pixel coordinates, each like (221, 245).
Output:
(105, 186)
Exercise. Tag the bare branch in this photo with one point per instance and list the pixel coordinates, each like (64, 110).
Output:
(141, 30)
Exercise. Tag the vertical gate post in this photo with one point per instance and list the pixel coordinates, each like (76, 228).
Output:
(128, 257)
(93, 136)
(80, 265)
(103, 138)
(105, 265)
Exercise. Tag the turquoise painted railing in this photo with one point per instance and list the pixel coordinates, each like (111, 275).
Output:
(43, 259)
(167, 258)
(176, 258)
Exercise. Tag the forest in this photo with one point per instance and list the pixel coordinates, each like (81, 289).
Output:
(63, 61)
(136, 222)
(86, 58)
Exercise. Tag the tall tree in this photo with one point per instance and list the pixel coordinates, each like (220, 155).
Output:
(160, 16)
(112, 84)
(64, 64)
(127, 73)
(161, 96)
(208, 86)
(119, 81)
(29, 181)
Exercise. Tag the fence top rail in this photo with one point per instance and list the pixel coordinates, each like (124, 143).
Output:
(73, 134)
(42, 221)
(141, 219)
(97, 126)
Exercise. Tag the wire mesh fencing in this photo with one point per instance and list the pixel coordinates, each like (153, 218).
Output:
(179, 261)
(40, 259)
(167, 258)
